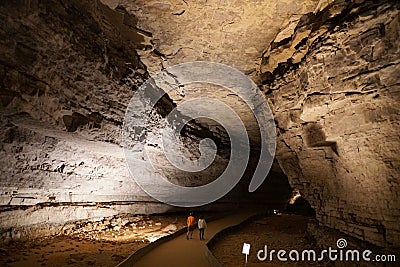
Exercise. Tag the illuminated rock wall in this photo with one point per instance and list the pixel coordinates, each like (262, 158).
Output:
(332, 78)
(67, 72)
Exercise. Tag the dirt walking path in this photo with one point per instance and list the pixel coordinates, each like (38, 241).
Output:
(180, 252)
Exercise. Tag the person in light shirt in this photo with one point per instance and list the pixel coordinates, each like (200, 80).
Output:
(202, 225)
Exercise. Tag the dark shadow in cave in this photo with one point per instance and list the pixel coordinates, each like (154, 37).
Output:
(315, 137)
(300, 207)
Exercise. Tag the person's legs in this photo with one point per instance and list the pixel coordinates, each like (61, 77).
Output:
(187, 233)
(201, 233)
(191, 232)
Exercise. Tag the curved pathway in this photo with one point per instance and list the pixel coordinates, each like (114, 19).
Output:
(179, 252)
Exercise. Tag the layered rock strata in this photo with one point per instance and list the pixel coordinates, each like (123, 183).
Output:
(332, 79)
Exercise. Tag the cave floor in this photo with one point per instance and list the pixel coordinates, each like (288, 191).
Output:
(284, 231)
(104, 243)
(65, 251)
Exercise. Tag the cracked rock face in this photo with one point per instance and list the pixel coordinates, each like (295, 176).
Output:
(228, 32)
(67, 72)
(332, 78)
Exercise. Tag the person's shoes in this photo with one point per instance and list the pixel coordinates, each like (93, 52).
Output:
(187, 238)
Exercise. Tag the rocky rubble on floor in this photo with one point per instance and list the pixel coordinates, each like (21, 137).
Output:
(123, 228)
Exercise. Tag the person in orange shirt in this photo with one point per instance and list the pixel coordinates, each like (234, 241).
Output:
(190, 226)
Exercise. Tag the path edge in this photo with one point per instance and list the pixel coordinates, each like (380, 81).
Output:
(210, 256)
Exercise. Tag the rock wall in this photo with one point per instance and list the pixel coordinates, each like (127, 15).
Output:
(332, 79)
(67, 72)
(71, 63)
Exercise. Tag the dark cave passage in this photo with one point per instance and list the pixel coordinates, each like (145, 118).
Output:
(300, 207)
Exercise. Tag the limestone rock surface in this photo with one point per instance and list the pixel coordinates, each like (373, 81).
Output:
(332, 79)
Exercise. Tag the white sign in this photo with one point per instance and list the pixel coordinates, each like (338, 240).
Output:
(246, 249)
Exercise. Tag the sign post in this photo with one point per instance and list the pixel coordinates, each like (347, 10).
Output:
(246, 251)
